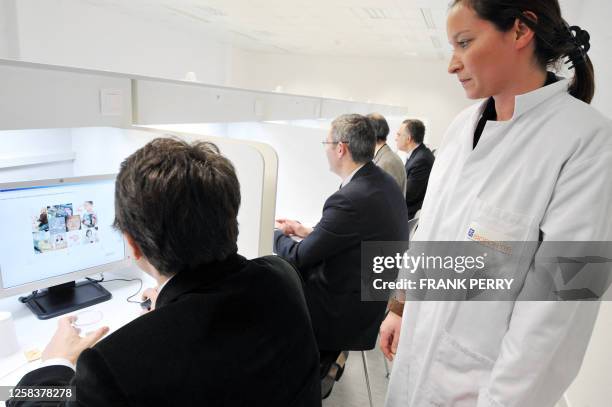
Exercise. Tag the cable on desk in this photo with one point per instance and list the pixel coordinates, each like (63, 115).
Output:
(128, 299)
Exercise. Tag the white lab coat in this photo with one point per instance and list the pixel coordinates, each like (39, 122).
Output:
(547, 169)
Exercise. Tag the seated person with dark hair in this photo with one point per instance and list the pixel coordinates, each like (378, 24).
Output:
(225, 331)
(369, 206)
(418, 165)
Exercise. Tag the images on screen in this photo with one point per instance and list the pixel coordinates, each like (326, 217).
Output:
(59, 226)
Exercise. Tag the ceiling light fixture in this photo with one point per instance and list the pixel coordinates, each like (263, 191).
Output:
(375, 13)
(435, 41)
(187, 14)
(428, 18)
(211, 11)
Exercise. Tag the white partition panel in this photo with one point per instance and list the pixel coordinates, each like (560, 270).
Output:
(35, 154)
(304, 178)
(101, 150)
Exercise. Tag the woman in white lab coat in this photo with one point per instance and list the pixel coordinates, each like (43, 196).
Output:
(531, 162)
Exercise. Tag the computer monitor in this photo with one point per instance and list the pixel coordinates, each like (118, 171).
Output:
(53, 232)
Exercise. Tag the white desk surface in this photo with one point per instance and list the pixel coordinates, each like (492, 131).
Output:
(33, 333)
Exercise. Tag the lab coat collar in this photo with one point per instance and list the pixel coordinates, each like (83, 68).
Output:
(527, 101)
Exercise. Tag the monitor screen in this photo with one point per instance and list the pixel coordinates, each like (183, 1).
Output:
(57, 228)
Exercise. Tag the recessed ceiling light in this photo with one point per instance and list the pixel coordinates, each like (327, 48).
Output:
(187, 14)
(435, 41)
(372, 13)
(428, 18)
(211, 11)
(375, 13)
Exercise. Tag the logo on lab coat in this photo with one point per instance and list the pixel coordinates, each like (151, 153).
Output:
(489, 239)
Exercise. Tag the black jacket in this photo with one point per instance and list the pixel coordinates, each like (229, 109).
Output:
(418, 167)
(235, 333)
(369, 208)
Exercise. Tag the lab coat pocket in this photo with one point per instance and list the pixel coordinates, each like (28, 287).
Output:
(507, 240)
(493, 223)
(456, 374)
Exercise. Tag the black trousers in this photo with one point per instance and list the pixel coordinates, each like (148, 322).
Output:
(327, 359)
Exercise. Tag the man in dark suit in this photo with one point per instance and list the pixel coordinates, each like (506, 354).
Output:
(409, 139)
(225, 331)
(368, 207)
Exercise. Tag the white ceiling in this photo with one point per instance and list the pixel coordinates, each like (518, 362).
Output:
(364, 28)
(370, 28)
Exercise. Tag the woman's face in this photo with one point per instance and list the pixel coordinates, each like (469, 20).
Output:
(483, 57)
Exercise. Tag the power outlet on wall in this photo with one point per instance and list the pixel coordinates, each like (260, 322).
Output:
(111, 102)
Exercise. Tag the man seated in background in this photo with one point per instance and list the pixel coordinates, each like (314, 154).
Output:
(384, 157)
(225, 331)
(368, 207)
(418, 165)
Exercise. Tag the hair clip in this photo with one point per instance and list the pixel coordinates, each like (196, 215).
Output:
(581, 40)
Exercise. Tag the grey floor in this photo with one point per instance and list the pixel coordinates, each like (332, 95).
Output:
(351, 390)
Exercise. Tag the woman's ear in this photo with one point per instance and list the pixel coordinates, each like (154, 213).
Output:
(523, 33)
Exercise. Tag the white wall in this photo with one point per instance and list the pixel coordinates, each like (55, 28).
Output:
(592, 386)
(304, 179)
(9, 44)
(424, 87)
(20, 145)
(594, 16)
(74, 33)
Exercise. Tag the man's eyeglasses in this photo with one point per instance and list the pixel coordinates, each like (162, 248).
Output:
(334, 142)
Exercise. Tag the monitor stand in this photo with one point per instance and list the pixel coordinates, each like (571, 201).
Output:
(68, 297)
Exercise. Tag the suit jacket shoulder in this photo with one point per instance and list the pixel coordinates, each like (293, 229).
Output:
(216, 329)
(421, 156)
(392, 164)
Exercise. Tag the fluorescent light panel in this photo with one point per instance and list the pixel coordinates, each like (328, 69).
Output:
(428, 18)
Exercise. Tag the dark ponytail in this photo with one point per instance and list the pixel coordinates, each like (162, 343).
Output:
(583, 84)
(554, 39)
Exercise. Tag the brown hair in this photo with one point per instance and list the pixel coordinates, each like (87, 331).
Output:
(554, 38)
(416, 130)
(179, 202)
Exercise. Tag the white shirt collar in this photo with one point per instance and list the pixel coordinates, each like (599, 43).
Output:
(164, 284)
(527, 101)
(350, 177)
(412, 151)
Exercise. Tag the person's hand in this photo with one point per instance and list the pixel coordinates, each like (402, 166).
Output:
(292, 227)
(150, 293)
(68, 344)
(389, 335)
(284, 226)
(299, 229)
